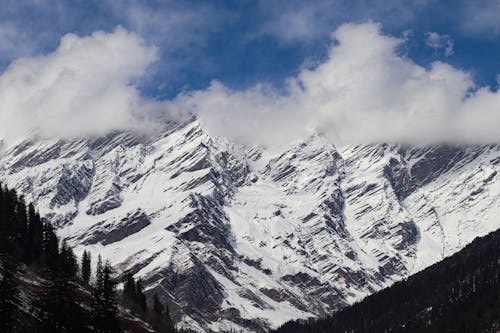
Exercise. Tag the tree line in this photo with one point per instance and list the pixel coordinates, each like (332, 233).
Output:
(459, 294)
(66, 297)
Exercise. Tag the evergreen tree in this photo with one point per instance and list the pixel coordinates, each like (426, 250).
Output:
(61, 312)
(4, 232)
(6, 225)
(86, 267)
(129, 290)
(8, 294)
(20, 222)
(104, 305)
(7, 209)
(50, 245)
(68, 263)
(98, 273)
(35, 235)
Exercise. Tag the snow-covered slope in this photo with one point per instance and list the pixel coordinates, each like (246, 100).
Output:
(247, 238)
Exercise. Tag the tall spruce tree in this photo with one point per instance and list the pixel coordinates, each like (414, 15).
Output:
(104, 304)
(129, 290)
(35, 234)
(4, 232)
(68, 263)
(6, 223)
(50, 245)
(86, 267)
(21, 222)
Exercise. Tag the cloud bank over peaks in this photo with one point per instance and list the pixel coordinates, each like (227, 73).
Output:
(366, 91)
(85, 87)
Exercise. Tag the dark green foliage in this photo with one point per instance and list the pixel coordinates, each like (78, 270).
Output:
(129, 289)
(133, 295)
(8, 203)
(35, 235)
(135, 299)
(50, 245)
(104, 304)
(21, 221)
(67, 260)
(459, 294)
(61, 312)
(86, 267)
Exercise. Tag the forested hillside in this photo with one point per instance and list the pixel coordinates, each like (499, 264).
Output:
(45, 288)
(459, 294)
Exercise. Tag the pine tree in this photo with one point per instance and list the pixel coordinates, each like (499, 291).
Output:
(34, 235)
(129, 290)
(50, 245)
(8, 294)
(20, 222)
(8, 210)
(5, 222)
(97, 297)
(68, 263)
(104, 305)
(86, 267)
(59, 303)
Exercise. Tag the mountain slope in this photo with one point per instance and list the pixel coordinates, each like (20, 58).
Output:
(458, 294)
(237, 237)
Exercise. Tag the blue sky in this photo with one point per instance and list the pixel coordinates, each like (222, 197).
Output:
(241, 43)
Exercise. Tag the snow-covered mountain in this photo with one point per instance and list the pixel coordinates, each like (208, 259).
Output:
(247, 238)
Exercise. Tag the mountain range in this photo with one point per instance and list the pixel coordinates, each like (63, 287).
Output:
(244, 237)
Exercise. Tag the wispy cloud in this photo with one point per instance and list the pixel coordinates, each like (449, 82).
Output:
(440, 43)
(180, 29)
(299, 21)
(478, 18)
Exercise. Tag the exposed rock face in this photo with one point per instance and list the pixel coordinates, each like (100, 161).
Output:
(237, 237)
(110, 231)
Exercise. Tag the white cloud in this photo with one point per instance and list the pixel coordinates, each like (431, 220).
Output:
(440, 43)
(366, 91)
(291, 21)
(84, 87)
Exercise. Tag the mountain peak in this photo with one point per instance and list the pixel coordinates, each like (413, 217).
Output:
(243, 237)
